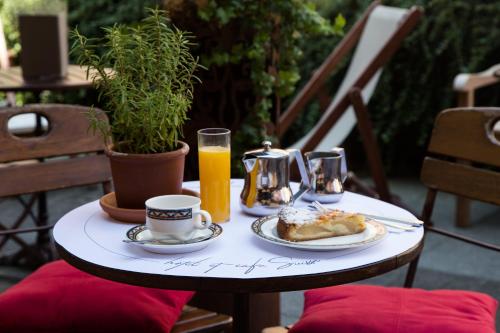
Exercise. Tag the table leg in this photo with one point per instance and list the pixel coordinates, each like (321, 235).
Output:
(241, 314)
(258, 310)
(254, 312)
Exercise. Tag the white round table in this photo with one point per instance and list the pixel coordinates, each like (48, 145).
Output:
(238, 261)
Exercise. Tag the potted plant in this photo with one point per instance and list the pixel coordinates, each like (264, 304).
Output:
(145, 79)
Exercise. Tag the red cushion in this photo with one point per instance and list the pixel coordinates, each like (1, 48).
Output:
(59, 298)
(373, 309)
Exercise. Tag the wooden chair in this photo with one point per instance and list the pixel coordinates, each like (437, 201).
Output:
(466, 85)
(378, 34)
(34, 165)
(462, 134)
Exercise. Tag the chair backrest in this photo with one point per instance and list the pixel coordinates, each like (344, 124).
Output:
(68, 135)
(465, 154)
(379, 39)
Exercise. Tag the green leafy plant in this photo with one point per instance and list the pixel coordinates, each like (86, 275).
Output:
(90, 16)
(252, 50)
(145, 78)
(278, 30)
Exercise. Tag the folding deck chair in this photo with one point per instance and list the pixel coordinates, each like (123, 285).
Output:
(378, 33)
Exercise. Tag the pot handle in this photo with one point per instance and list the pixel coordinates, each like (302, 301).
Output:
(306, 184)
(343, 162)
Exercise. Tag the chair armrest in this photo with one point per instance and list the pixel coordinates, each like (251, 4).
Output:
(467, 82)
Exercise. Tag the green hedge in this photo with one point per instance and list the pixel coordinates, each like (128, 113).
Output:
(452, 37)
(91, 16)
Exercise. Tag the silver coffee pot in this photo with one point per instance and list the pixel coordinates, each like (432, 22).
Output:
(267, 181)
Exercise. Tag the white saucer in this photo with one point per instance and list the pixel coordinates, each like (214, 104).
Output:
(265, 228)
(141, 232)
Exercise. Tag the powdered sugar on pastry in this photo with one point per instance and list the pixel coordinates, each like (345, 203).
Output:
(298, 216)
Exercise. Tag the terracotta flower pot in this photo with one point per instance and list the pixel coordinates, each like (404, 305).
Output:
(138, 177)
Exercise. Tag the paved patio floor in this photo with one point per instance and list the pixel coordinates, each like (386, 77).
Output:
(445, 263)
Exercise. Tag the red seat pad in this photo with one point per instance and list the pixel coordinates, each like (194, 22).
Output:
(59, 298)
(373, 309)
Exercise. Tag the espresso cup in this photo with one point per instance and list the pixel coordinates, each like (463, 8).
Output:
(175, 216)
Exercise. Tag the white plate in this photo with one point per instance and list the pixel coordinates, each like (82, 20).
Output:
(265, 228)
(141, 232)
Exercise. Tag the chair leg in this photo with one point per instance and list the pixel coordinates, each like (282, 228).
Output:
(462, 212)
(412, 271)
(430, 199)
(370, 144)
(106, 187)
(42, 217)
(43, 236)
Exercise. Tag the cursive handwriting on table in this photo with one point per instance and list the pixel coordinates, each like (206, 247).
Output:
(209, 264)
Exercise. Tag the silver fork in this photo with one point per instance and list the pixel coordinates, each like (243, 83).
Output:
(389, 221)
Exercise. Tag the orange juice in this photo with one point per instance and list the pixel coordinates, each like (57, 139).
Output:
(215, 174)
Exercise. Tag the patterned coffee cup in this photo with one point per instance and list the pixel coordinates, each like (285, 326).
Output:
(175, 216)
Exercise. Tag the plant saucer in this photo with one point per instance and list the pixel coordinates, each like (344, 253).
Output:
(108, 204)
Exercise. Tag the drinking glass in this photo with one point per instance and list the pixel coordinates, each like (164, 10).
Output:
(214, 156)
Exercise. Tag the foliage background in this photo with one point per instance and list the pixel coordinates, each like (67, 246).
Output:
(453, 37)
(251, 50)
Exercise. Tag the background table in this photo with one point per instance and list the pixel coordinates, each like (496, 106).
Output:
(238, 263)
(11, 79)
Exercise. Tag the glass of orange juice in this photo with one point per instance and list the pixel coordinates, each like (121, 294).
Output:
(214, 156)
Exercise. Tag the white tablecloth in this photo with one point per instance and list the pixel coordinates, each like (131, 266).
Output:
(88, 233)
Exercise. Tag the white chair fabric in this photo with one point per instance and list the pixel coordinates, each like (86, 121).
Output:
(381, 25)
(4, 54)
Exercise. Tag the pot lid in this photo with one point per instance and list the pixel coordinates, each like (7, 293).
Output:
(267, 152)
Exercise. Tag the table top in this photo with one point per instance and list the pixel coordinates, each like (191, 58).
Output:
(238, 261)
(11, 79)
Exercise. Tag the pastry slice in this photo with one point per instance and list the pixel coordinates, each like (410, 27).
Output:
(300, 224)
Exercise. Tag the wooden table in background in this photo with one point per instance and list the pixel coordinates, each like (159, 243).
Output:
(11, 79)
